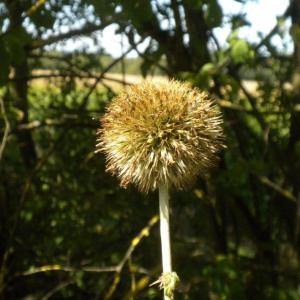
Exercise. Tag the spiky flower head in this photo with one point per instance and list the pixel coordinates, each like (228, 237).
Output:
(160, 132)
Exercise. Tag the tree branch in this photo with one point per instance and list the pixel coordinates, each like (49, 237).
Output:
(285, 193)
(23, 197)
(35, 7)
(274, 30)
(88, 29)
(102, 76)
(6, 128)
(117, 268)
(56, 122)
(57, 288)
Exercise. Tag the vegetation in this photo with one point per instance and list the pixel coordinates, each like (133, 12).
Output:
(59, 61)
(68, 231)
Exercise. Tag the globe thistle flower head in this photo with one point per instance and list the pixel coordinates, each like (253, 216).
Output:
(160, 132)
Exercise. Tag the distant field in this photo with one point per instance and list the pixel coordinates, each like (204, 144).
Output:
(42, 78)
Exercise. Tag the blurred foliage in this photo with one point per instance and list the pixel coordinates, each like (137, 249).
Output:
(68, 231)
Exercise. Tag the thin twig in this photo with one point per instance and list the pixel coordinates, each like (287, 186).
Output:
(57, 289)
(6, 128)
(24, 194)
(102, 76)
(117, 268)
(266, 181)
(63, 122)
(251, 99)
(274, 30)
(85, 30)
(135, 241)
(56, 267)
(146, 57)
(72, 75)
(35, 7)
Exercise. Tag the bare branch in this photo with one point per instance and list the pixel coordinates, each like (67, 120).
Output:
(24, 195)
(35, 7)
(87, 29)
(57, 288)
(146, 57)
(98, 78)
(6, 128)
(117, 268)
(102, 76)
(51, 268)
(72, 121)
(285, 193)
(274, 30)
(135, 241)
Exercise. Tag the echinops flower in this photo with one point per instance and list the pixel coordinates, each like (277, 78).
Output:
(160, 133)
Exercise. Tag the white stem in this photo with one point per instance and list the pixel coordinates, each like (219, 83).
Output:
(165, 228)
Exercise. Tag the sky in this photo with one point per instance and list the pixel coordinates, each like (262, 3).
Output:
(261, 14)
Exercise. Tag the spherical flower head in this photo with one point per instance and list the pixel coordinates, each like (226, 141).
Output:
(160, 132)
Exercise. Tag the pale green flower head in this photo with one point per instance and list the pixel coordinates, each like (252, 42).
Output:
(160, 132)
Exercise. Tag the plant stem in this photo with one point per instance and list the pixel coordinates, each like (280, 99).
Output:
(164, 213)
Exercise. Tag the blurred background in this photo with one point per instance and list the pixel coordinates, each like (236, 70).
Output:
(67, 230)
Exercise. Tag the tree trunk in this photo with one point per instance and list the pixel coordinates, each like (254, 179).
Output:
(294, 141)
(198, 35)
(19, 89)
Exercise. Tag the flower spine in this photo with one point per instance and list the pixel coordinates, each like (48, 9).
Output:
(159, 133)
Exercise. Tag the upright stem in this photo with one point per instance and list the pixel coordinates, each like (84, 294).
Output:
(164, 213)
(168, 280)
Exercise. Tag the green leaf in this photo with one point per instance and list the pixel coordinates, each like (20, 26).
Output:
(208, 69)
(240, 51)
